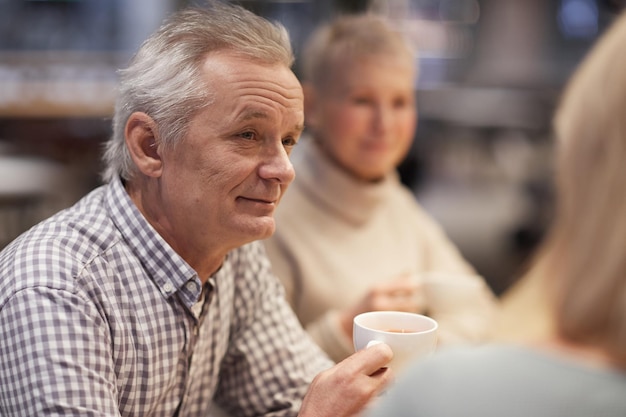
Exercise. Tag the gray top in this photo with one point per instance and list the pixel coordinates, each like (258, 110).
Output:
(503, 381)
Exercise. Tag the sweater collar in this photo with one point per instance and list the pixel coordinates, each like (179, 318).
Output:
(332, 187)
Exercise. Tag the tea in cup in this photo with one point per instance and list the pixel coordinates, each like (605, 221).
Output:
(410, 336)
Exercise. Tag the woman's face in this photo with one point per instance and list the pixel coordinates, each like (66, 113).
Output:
(365, 116)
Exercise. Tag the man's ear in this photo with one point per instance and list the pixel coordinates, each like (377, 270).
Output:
(142, 141)
(310, 104)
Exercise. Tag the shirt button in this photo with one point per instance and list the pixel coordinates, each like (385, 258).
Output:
(168, 288)
(191, 286)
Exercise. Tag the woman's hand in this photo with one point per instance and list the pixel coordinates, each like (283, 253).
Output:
(404, 293)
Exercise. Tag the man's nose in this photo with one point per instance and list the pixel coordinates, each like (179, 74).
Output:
(277, 166)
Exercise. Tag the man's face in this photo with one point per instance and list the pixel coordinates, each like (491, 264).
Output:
(220, 187)
(366, 115)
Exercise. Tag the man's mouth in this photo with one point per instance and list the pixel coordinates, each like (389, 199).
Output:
(259, 200)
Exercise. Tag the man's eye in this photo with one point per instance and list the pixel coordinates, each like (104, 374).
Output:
(247, 135)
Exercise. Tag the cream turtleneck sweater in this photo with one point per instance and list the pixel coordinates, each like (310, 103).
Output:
(337, 236)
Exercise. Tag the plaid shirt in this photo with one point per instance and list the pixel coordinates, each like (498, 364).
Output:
(99, 317)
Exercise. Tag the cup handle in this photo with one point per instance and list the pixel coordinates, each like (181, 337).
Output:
(372, 343)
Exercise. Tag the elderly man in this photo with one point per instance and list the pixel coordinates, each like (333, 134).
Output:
(150, 296)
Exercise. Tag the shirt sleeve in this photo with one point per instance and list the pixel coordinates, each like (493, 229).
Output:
(271, 360)
(327, 333)
(55, 356)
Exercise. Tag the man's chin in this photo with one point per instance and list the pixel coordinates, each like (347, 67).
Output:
(269, 231)
(261, 229)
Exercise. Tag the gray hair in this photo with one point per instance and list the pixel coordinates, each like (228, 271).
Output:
(164, 78)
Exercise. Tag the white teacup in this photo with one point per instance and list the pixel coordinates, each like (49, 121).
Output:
(411, 336)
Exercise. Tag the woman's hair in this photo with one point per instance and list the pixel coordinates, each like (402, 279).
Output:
(586, 248)
(164, 78)
(347, 39)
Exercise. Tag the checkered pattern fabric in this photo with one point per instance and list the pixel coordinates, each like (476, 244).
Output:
(97, 318)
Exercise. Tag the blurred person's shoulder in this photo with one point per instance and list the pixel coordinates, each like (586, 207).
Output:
(492, 378)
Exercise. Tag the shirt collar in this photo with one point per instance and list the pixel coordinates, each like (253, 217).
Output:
(169, 271)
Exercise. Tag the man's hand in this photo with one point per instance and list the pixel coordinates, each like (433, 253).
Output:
(346, 388)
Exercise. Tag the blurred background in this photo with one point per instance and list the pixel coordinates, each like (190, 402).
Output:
(491, 72)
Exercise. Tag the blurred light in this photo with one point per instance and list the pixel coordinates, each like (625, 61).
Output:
(578, 18)
(459, 11)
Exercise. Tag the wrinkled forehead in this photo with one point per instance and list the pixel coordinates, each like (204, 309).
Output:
(222, 71)
(248, 89)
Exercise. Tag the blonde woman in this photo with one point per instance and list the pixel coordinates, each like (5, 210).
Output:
(349, 236)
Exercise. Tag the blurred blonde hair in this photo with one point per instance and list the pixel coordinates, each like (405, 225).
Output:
(348, 39)
(586, 248)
